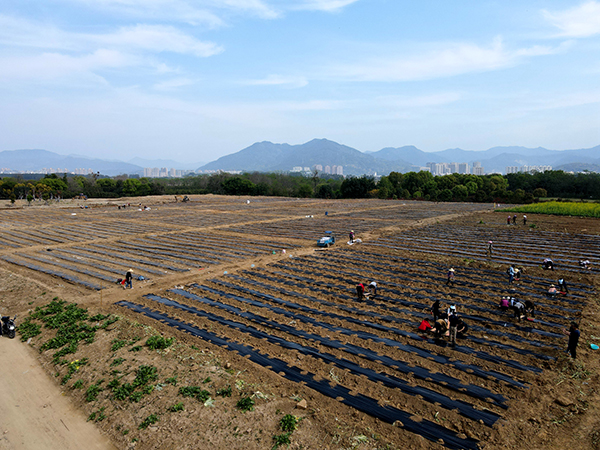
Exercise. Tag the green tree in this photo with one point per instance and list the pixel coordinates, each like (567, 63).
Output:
(460, 193)
(386, 190)
(238, 186)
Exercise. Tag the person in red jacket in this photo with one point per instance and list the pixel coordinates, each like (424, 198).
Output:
(360, 291)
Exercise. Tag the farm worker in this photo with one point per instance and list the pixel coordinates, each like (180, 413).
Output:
(435, 310)
(511, 273)
(504, 303)
(462, 327)
(524, 219)
(128, 278)
(373, 288)
(518, 273)
(425, 326)
(585, 263)
(552, 291)
(573, 340)
(530, 308)
(451, 311)
(562, 285)
(440, 327)
(548, 264)
(351, 235)
(508, 220)
(450, 275)
(519, 309)
(515, 219)
(453, 319)
(360, 291)
(490, 248)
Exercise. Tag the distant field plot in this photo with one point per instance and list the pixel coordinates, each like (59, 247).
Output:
(560, 208)
(519, 245)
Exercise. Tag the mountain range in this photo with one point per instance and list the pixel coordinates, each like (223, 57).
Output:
(271, 157)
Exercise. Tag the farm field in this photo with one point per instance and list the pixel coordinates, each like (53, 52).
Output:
(253, 304)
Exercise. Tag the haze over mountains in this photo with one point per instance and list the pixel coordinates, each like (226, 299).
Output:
(270, 157)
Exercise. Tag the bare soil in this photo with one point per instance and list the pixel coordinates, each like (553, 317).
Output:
(222, 260)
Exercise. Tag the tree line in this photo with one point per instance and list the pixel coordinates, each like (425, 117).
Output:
(512, 188)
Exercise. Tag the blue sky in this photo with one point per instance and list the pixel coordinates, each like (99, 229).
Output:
(196, 80)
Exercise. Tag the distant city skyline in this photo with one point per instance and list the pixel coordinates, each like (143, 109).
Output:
(196, 80)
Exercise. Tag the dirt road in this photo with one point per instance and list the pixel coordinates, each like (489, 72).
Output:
(33, 413)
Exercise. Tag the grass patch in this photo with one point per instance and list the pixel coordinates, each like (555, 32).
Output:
(559, 208)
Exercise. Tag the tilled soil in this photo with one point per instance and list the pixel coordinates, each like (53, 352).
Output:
(254, 306)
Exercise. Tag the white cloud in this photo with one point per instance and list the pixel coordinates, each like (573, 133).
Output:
(323, 5)
(156, 38)
(198, 12)
(419, 101)
(577, 22)
(173, 84)
(50, 66)
(279, 80)
(449, 60)
(146, 38)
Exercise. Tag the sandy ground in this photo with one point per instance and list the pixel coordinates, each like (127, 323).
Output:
(35, 414)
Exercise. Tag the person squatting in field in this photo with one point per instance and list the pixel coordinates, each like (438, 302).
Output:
(128, 279)
(360, 291)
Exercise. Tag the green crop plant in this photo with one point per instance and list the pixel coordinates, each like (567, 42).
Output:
(224, 392)
(245, 404)
(289, 422)
(97, 416)
(150, 420)
(117, 344)
(116, 362)
(171, 380)
(159, 342)
(29, 329)
(177, 407)
(91, 394)
(281, 439)
(77, 385)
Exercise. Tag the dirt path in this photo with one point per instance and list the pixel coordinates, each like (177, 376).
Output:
(34, 413)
